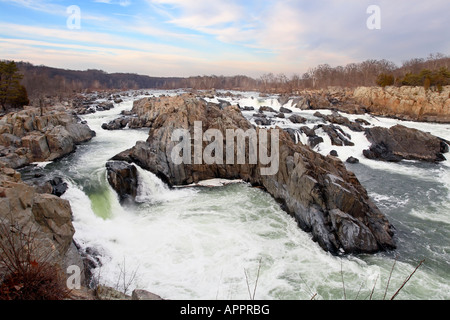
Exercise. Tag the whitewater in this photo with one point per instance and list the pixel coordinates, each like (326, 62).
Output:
(218, 242)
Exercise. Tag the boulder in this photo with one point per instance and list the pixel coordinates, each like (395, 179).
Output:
(352, 160)
(123, 179)
(59, 187)
(295, 118)
(400, 142)
(267, 109)
(308, 185)
(285, 110)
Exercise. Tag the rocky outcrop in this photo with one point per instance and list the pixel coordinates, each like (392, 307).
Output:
(123, 179)
(44, 219)
(325, 198)
(336, 118)
(400, 142)
(407, 103)
(37, 135)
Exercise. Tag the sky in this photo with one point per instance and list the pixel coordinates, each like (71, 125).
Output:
(215, 37)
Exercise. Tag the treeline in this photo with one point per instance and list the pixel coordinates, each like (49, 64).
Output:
(431, 73)
(412, 72)
(42, 80)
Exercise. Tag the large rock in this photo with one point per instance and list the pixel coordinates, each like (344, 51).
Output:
(44, 220)
(400, 142)
(325, 198)
(123, 179)
(35, 135)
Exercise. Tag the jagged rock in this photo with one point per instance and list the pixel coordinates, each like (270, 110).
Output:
(338, 119)
(33, 136)
(45, 218)
(337, 135)
(352, 160)
(123, 179)
(400, 142)
(308, 185)
(117, 124)
(314, 141)
(266, 108)
(295, 118)
(334, 153)
(59, 187)
(285, 110)
(262, 120)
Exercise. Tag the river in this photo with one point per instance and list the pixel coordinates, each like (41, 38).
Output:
(235, 242)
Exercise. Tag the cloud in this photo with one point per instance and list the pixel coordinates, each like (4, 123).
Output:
(253, 36)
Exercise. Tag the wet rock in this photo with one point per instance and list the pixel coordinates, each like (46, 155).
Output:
(59, 187)
(314, 141)
(400, 142)
(352, 160)
(285, 110)
(123, 179)
(295, 118)
(267, 109)
(338, 119)
(337, 135)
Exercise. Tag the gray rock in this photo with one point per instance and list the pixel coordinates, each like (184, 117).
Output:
(295, 118)
(123, 179)
(144, 295)
(352, 160)
(400, 142)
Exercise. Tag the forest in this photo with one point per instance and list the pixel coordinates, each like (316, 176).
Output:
(431, 72)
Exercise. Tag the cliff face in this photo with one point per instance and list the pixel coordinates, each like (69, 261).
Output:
(325, 198)
(406, 103)
(44, 219)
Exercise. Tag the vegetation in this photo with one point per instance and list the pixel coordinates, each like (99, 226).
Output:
(432, 73)
(27, 273)
(12, 93)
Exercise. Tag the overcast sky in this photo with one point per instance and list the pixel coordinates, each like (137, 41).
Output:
(205, 37)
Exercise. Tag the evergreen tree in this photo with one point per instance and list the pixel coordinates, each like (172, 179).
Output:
(11, 91)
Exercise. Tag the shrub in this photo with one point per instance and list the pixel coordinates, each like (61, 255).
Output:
(27, 274)
(384, 80)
